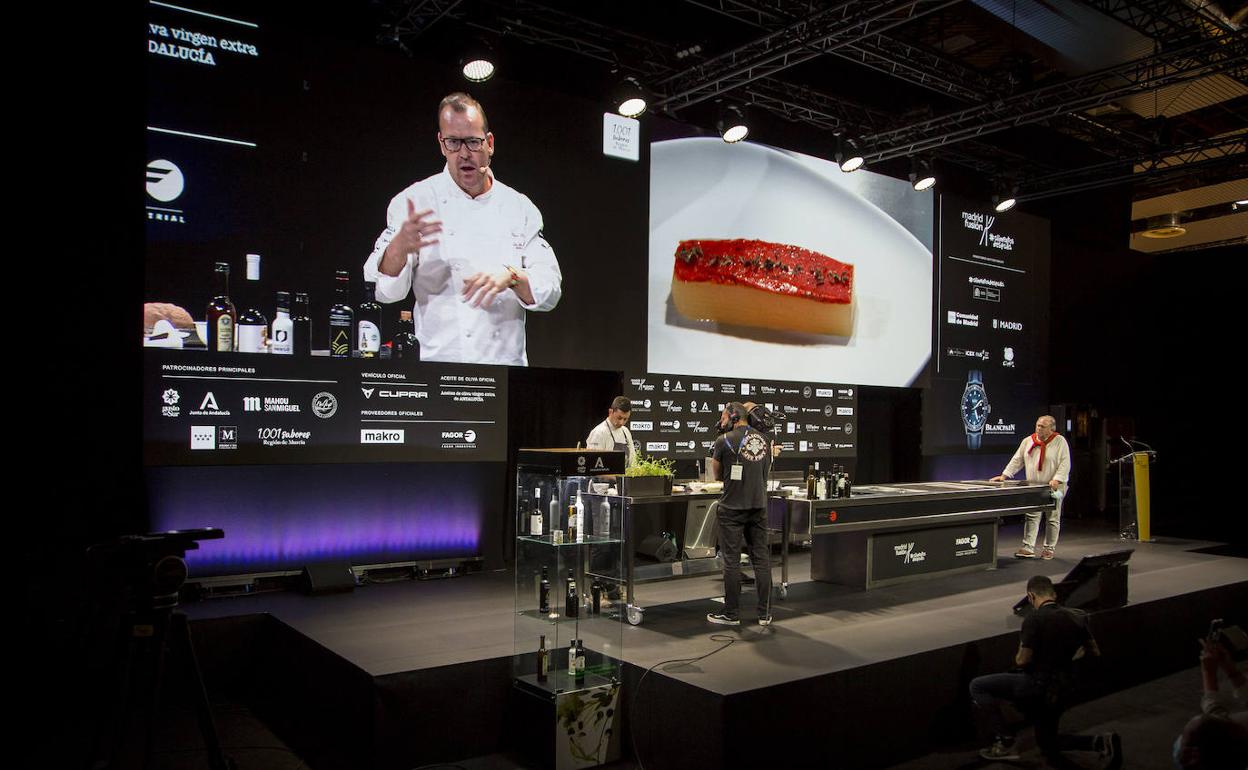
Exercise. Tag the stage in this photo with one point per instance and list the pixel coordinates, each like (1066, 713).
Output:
(410, 673)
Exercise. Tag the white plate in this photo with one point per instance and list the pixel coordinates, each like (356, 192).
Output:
(705, 188)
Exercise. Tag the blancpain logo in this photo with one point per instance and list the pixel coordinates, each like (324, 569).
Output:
(999, 427)
(908, 554)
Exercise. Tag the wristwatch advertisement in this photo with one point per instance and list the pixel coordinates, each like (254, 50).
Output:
(975, 408)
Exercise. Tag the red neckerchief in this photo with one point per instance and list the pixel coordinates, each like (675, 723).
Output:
(1036, 442)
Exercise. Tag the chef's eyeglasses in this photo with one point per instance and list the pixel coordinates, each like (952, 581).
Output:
(453, 143)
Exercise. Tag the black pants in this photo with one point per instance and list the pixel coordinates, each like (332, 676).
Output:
(750, 525)
(1033, 698)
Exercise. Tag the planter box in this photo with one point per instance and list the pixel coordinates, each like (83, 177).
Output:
(647, 486)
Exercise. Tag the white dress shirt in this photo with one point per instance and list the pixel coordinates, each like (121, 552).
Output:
(483, 234)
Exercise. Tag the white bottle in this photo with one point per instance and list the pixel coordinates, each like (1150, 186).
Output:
(252, 327)
(580, 517)
(282, 342)
(535, 518)
(602, 521)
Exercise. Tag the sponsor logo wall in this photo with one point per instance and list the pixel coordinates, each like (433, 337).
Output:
(676, 415)
(990, 378)
(271, 409)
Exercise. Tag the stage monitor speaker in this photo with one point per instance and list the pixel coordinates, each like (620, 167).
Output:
(1097, 582)
(327, 577)
(661, 548)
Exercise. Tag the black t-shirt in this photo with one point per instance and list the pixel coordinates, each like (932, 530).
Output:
(1053, 634)
(752, 450)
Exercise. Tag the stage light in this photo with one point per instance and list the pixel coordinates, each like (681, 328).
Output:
(478, 62)
(731, 123)
(847, 157)
(1165, 226)
(1003, 203)
(921, 175)
(629, 98)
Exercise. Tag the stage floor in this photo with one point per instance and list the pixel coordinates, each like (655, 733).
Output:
(819, 628)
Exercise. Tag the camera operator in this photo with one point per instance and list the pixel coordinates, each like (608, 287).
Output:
(1218, 737)
(741, 459)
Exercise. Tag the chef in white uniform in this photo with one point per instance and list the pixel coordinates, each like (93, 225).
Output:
(613, 432)
(469, 248)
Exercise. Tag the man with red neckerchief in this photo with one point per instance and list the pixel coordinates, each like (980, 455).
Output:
(1045, 456)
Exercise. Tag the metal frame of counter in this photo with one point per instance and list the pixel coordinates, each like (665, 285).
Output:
(894, 533)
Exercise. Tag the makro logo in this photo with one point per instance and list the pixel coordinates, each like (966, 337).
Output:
(638, 426)
(164, 180)
(656, 446)
(368, 436)
(908, 554)
(844, 411)
(825, 392)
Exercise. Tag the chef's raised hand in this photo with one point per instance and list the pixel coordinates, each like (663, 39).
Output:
(414, 234)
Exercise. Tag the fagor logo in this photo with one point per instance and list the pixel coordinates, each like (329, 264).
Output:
(466, 435)
(164, 180)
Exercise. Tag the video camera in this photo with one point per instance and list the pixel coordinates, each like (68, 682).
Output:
(1232, 638)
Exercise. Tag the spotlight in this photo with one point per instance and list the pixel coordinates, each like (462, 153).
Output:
(846, 157)
(629, 98)
(478, 63)
(731, 123)
(1006, 197)
(1165, 226)
(921, 176)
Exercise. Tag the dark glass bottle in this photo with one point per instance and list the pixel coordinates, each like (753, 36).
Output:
(543, 593)
(368, 323)
(301, 322)
(573, 601)
(811, 484)
(595, 593)
(543, 660)
(221, 313)
(405, 344)
(253, 326)
(341, 317)
(282, 326)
